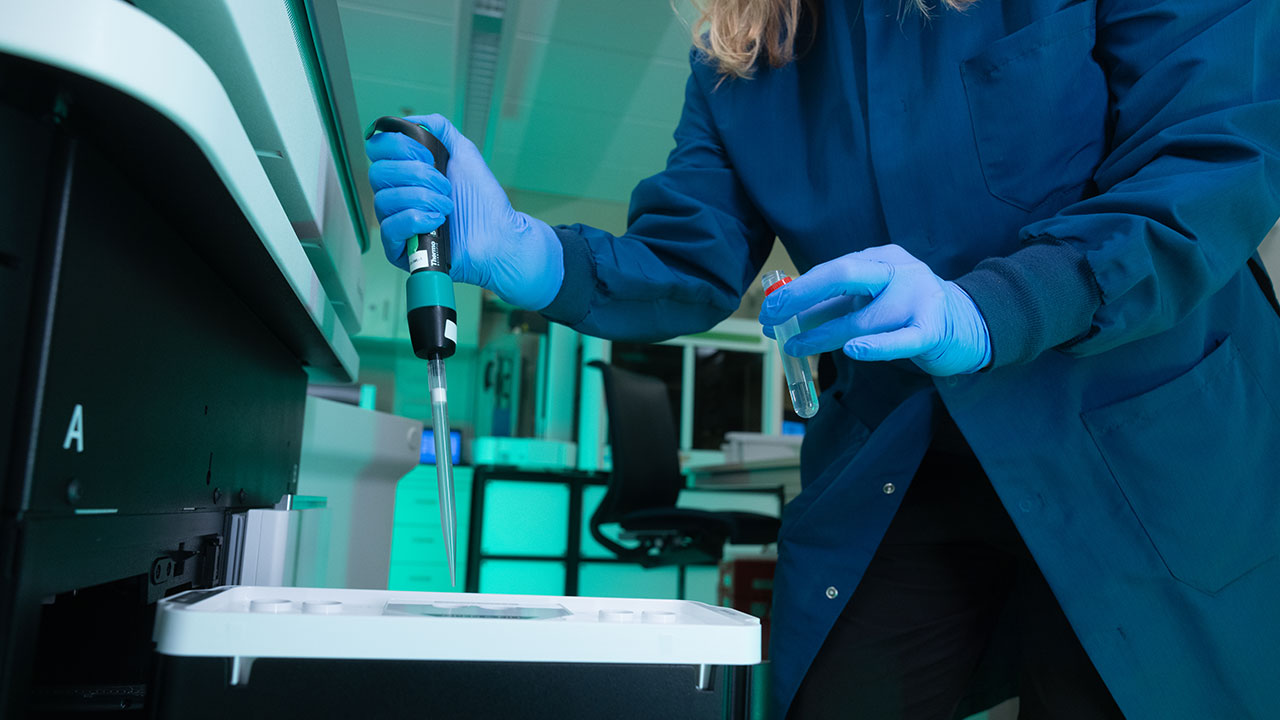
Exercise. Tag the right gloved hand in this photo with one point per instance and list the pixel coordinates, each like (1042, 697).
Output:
(516, 256)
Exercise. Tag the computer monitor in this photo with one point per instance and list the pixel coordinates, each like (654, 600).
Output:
(427, 455)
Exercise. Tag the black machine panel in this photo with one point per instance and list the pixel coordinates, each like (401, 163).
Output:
(150, 381)
(163, 391)
(172, 373)
(27, 144)
(320, 689)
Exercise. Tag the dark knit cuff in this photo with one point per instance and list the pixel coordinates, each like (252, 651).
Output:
(1040, 297)
(570, 305)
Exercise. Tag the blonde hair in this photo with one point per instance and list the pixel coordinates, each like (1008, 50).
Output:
(734, 34)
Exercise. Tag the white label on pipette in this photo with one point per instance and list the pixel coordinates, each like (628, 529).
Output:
(418, 259)
(439, 395)
(450, 331)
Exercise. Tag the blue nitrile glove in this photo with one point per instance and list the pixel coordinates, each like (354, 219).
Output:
(912, 313)
(493, 246)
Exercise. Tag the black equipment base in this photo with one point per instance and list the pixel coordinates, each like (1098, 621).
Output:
(192, 688)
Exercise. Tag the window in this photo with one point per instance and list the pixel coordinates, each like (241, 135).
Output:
(715, 385)
(726, 394)
(665, 362)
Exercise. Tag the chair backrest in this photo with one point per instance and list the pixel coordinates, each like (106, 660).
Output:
(644, 445)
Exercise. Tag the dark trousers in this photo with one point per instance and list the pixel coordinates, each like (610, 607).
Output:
(909, 641)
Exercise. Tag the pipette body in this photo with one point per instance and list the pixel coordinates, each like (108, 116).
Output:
(433, 327)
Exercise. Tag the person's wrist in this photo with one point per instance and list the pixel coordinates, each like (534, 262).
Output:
(979, 336)
(547, 270)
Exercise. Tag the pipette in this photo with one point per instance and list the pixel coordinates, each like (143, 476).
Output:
(433, 328)
(444, 462)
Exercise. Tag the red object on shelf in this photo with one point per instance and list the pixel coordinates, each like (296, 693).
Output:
(746, 585)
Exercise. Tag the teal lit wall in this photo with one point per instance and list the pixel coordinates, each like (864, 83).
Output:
(401, 379)
(521, 518)
(418, 559)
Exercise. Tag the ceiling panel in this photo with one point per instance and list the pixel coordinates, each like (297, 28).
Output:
(376, 97)
(400, 46)
(593, 92)
(575, 176)
(547, 126)
(443, 10)
(573, 75)
(648, 28)
(595, 160)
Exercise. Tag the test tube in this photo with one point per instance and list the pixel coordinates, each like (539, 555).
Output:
(804, 398)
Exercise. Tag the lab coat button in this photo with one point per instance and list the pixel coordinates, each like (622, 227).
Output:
(1025, 505)
(832, 593)
(951, 381)
(888, 488)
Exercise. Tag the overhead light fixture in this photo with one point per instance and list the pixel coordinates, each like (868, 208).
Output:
(483, 55)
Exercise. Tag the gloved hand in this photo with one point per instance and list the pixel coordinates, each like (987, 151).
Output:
(912, 313)
(493, 246)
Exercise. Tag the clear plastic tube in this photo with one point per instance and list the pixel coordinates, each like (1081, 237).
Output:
(804, 397)
(444, 461)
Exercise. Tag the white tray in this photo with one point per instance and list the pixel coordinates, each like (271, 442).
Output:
(254, 622)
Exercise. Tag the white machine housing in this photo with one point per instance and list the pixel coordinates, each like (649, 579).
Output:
(283, 622)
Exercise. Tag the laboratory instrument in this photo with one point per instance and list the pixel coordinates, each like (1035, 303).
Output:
(178, 197)
(433, 328)
(320, 653)
(804, 397)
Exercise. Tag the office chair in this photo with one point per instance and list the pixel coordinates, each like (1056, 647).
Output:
(646, 482)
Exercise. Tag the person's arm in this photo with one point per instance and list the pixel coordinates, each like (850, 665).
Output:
(694, 242)
(693, 245)
(1187, 192)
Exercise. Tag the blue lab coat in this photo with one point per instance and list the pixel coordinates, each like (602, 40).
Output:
(1097, 176)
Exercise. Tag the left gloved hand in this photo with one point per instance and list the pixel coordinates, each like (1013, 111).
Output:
(516, 256)
(912, 313)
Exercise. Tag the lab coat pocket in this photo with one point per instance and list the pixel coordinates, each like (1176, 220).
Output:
(1038, 103)
(1199, 463)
